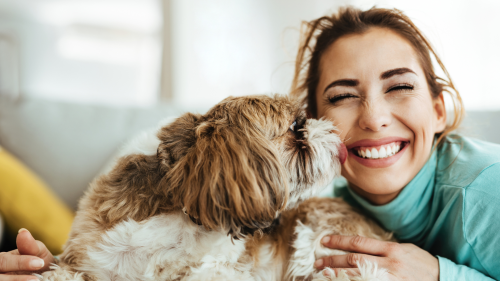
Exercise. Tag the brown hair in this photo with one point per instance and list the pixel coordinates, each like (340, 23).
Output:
(319, 34)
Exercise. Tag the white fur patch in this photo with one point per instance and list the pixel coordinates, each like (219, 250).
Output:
(323, 146)
(162, 246)
(368, 272)
(303, 257)
(268, 268)
(59, 274)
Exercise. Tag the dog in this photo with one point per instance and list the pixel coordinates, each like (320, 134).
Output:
(219, 196)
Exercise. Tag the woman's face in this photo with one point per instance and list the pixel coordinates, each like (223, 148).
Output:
(374, 89)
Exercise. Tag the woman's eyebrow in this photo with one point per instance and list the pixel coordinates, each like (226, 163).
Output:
(397, 71)
(342, 82)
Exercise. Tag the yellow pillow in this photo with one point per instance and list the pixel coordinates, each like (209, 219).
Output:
(26, 202)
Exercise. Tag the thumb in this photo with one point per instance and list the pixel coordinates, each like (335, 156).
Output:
(26, 244)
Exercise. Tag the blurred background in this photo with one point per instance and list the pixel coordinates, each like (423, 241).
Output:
(193, 53)
(79, 78)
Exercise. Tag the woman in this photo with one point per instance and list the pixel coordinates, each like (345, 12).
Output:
(371, 72)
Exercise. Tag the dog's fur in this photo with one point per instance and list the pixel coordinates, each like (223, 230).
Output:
(193, 201)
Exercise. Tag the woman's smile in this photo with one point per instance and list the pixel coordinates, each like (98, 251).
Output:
(378, 153)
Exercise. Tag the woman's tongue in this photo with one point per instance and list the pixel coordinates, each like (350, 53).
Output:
(342, 153)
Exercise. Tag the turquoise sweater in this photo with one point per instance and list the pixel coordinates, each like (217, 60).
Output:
(451, 209)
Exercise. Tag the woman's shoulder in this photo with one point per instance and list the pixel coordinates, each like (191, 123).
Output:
(463, 160)
(474, 167)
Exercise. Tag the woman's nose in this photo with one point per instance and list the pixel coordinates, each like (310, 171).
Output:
(375, 115)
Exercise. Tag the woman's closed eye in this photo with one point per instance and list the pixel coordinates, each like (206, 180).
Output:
(402, 87)
(338, 98)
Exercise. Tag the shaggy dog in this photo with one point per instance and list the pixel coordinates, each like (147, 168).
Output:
(216, 197)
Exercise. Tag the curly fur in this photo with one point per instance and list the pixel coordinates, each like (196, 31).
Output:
(239, 166)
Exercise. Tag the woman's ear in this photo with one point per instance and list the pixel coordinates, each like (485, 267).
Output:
(230, 179)
(439, 113)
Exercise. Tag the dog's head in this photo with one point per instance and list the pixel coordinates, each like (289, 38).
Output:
(246, 160)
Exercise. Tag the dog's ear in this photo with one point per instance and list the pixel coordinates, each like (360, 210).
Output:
(134, 188)
(231, 178)
(177, 138)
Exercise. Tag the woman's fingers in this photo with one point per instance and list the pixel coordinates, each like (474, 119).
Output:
(359, 244)
(12, 263)
(350, 260)
(26, 244)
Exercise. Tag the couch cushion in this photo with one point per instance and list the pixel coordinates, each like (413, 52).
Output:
(67, 144)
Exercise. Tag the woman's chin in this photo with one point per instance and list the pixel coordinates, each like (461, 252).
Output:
(379, 194)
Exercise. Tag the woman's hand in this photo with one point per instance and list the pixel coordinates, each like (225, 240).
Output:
(30, 257)
(403, 261)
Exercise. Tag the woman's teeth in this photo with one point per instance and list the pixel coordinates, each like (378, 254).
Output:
(382, 152)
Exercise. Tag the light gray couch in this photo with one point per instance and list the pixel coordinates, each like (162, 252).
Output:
(68, 144)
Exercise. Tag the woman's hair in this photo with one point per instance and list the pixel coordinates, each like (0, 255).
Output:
(319, 34)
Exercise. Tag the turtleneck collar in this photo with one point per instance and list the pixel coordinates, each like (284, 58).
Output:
(408, 215)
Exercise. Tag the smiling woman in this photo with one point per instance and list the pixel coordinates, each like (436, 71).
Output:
(371, 72)
(387, 103)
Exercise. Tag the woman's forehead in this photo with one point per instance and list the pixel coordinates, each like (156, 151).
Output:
(368, 54)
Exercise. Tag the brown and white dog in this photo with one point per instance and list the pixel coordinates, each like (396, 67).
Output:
(215, 197)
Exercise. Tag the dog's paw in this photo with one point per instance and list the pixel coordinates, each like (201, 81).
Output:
(57, 273)
(329, 274)
(370, 271)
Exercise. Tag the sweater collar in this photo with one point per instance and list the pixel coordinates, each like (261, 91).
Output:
(408, 215)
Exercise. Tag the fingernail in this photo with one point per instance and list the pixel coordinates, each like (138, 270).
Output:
(326, 272)
(325, 239)
(37, 263)
(22, 230)
(318, 263)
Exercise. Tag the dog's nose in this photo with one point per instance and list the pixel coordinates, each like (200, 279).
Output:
(299, 125)
(342, 153)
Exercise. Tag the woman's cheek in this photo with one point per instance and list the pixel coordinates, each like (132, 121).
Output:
(413, 111)
(344, 117)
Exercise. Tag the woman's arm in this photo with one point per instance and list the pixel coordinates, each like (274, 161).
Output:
(454, 272)
(30, 257)
(481, 222)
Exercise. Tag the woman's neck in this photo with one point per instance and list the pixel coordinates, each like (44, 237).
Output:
(375, 199)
